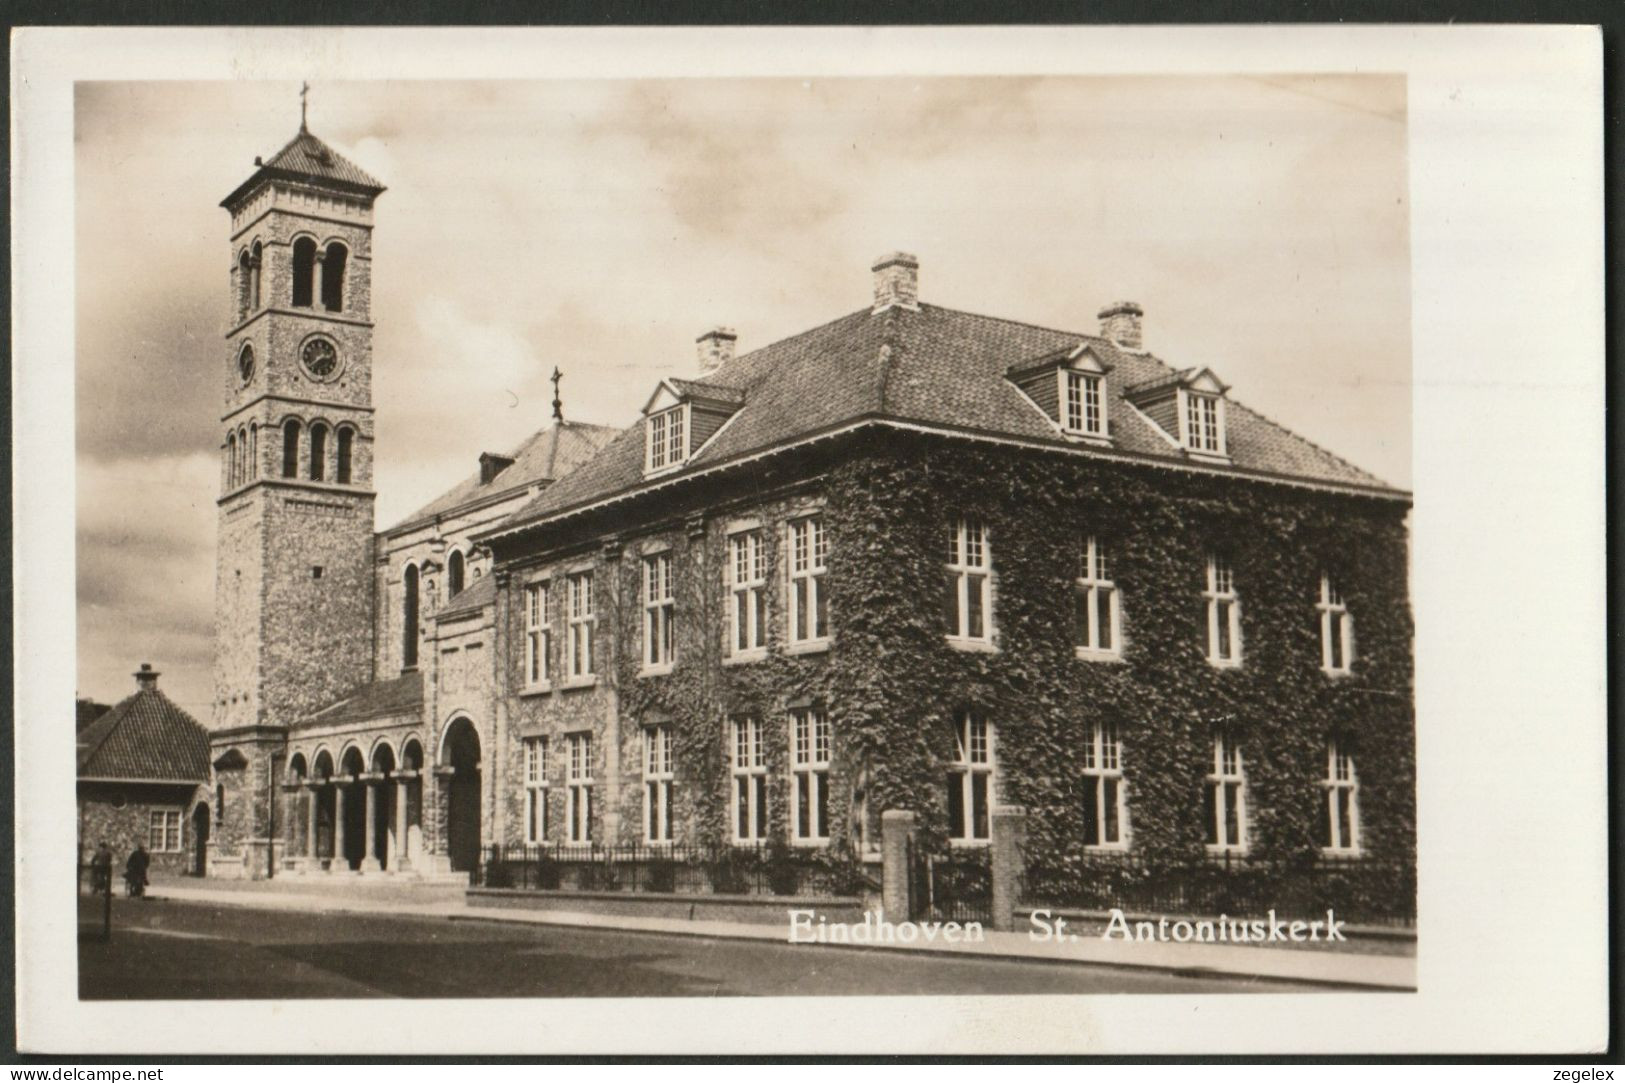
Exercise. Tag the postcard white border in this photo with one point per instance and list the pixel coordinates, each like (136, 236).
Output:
(1506, 189)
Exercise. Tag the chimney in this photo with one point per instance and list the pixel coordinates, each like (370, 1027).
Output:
(716, 348)
(146, 678)
(897, 282)
(1121, 324)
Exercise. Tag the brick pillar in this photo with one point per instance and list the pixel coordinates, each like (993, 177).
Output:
(1009, 831)
(896, 829)
(432, 809)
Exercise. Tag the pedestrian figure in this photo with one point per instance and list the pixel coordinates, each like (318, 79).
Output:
(135, 870)
(101, 870)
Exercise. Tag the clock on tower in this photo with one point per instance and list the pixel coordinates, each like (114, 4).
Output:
(293, 597)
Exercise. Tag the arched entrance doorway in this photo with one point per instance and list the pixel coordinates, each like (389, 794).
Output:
(200, 839)
(320, 828)
(297, 818)
(412, 795)
(460, 750)
(384, 844)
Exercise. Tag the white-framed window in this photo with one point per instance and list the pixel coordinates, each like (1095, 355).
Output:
(164, 831)
(1226, 797)
(538, 634)
(578, 788)
(1105, 808)
(1083, 403)
(1223, 613)
(659, 612)
(970, 779)
(1098, 624)
(969, 596)
(809, 554)
(535, 789)
(747, 594)
(1204, 422)
(668, 437)
(810, 740)
(1336, 628)
(1340, 818)
(657, 783)
(580, 628)
(749, 796)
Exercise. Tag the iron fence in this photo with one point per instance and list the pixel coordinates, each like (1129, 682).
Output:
(1362, 891)
(953, 886)
(675, 869)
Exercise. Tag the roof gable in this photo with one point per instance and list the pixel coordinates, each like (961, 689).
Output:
(664, 398)
(1086, 359)
(1204, 380)
(548, 454)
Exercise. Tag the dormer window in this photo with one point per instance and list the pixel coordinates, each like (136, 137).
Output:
(1188, 408)
(1083, 403)
(668, 438)
(1202, 429)
(1069, 386)
(680, 419)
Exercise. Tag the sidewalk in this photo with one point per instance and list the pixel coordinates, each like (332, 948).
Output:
(1392, 972)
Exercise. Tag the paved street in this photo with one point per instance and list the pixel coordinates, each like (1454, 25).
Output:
(167, 949)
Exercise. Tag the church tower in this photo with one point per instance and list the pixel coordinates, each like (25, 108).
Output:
(293, 588)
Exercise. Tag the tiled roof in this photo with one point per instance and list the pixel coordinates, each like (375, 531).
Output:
(472, 598)
(938, 367)
(145, 737)
(701, 389)
(86, 711)
(549, 454)
(1155, 384)
(1042, 361)
(307, 155)
(308, 158)
(398, 695)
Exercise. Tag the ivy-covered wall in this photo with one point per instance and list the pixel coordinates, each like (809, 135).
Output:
(902, 683)
(892, 683)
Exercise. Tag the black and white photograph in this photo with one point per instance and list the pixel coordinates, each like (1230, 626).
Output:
(702, 532)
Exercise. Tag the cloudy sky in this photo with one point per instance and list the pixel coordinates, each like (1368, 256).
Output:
(600, 226)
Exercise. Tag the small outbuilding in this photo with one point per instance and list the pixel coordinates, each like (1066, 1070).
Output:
(143, 778)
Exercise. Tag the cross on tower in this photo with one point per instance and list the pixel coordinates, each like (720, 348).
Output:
(304, 90)
(558, 403)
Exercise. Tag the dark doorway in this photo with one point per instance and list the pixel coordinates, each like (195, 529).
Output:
(355, 809)
(383, 827)
(355, 824)
(200, 839)
(463, 801)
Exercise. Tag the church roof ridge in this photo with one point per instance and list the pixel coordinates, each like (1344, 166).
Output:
(546, 455)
